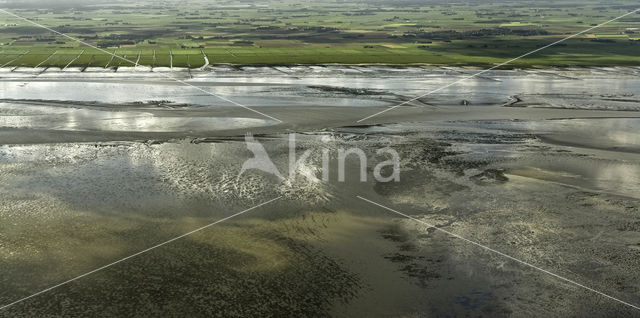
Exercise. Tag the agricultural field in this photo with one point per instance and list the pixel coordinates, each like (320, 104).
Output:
(287, 32)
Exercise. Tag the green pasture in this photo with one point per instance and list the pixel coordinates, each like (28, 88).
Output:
(286, 32)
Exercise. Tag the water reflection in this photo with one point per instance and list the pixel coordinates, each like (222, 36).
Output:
(265, 86)
(601, 154)
(604, 133)
(78, 119)
(575, 156)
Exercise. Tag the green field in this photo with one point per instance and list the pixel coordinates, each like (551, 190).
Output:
(286, 32)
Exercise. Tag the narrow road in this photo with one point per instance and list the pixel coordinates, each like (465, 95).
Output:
(77, 57)
(206, 60)
(88, 64)
(111, 60)
(48, 57)
(138, 59)
(19, 56)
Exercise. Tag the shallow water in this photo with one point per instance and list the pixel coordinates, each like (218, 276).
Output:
(124, 120)
(561, 194)
(299, 86)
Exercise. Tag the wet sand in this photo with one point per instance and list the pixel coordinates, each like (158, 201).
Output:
(554, 186)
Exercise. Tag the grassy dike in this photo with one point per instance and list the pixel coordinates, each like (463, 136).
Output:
(580, 52)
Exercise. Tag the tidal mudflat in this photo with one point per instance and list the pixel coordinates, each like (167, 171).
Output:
(542, 165)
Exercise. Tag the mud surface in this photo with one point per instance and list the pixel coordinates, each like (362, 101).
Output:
(86, 182)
